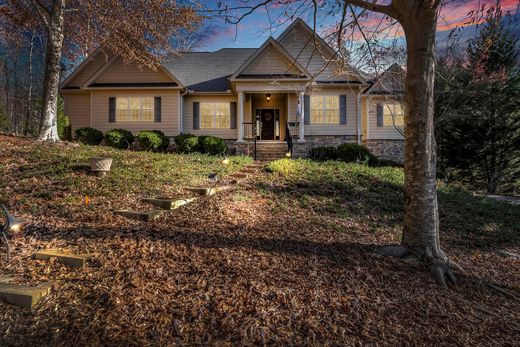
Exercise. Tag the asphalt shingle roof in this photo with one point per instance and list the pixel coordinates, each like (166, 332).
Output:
(207, 71)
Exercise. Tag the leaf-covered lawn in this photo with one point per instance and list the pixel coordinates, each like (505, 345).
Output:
(284, 257)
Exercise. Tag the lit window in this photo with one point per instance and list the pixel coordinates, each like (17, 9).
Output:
(324, 109)
(134, 109)
(393, 115)
(215, 115)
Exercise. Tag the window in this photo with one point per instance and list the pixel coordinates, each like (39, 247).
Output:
(393, 114)
(134, 109)
(215, 115)
(324, 109)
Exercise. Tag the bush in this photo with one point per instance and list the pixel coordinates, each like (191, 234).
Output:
(323, 153)
(149, 140)
(89, 136)
(187, 143)
(165, 141)
(212, 145)
(387, 162)
(352, 152)
(119, 138)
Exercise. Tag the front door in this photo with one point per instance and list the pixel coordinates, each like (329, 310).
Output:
(267, 119)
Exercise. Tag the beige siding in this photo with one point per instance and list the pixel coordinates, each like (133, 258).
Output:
(271, 61)
(364, 115)
(169, 111)
(90, 68)
(188, 115)
(380, 133)
(336, 129)
(119, 72)
(77, 108)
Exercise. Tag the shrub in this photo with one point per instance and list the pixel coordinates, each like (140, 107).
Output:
(187, 143)
(212, 145)
(89, 136)
(149, 140)
(386, 162)
(323, 153)
(352, 152)
(165, 141)
(119, 138)
(282, 166)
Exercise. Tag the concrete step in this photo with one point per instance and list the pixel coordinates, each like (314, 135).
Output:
(72, 260)
(168, 204)
(23, 296)
(144, 216)
(207, 190)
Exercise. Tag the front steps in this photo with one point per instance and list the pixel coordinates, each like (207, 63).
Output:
(268, 151)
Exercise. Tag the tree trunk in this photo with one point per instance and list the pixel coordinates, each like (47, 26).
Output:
(421, 220)
(49, 119)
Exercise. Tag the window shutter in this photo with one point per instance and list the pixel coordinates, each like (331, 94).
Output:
(379, 115)
(306, 109)
(196, 115)
(111, 109)
(342, 109)
(233, 115)
(157, 108)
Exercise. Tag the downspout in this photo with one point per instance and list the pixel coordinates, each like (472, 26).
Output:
(358, 111)
(181, 109)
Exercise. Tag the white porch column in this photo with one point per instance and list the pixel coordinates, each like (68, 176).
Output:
(301, 128)
(240, 117)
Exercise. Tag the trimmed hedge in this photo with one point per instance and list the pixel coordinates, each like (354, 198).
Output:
(119, 138)
(212, 145)
(149, 141)
(187, 143)
(323, 153)
(89, 136)
(165, 140)
(352, 152)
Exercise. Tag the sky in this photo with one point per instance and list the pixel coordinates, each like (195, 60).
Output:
(254, 29)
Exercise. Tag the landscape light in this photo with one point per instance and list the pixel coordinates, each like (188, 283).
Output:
(225, 161)
(288, 154)
(12, 226)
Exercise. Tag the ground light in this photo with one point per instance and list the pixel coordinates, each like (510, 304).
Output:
(12, 226)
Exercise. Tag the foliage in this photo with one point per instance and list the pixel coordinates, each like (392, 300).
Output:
(323, 153)
(119, 138)
(354, 153)
(212, 145)
(89, 136)
(284, 166)
(187, 143)
(152, 140)
(477, 111)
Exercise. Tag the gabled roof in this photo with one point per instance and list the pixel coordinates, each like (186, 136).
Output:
(293, 63)
(390, 82)
(207, 71)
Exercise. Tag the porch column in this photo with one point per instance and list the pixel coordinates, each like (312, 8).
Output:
(301, 128)
(240, 119)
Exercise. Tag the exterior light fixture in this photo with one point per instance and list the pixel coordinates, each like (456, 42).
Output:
(268, 97)
(225, 161)
(288, 154)
(12, 226)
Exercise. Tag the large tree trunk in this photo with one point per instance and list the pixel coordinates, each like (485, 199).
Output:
(51, 81)
(421, 221)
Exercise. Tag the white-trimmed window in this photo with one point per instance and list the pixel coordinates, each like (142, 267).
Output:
(215, 115)
(134, 109)
(393, 114)
(324, 109)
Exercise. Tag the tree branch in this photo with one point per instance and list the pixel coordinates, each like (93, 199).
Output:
(42, 11)
(385, 9)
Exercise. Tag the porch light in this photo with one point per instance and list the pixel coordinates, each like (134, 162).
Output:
(268, 97)
(12, 226)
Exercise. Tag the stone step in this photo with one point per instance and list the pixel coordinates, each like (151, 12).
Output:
(238, 175)
(144, 216)
(168, 204)
(207, 190)
(23, 296)
(72, 260)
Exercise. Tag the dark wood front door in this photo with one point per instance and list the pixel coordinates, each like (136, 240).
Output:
(267, 119)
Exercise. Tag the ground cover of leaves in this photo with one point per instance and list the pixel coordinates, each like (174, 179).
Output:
(283, 257)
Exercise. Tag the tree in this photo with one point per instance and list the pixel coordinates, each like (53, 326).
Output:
(138, 31)
(418, 19)
(480, 139)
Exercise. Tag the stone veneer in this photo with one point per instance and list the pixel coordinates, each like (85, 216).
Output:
(386, 149)
(301, 150)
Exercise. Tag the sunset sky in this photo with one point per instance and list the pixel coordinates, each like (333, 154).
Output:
(255, 28)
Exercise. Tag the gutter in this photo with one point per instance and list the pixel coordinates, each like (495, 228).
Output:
(181, 109)
(358, 109)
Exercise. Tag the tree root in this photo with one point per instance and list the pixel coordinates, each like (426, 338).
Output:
(442, 271)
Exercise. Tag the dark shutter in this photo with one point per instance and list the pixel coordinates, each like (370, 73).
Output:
(306, 109)
(111, 109)
(196, 116)
(342, 109)
(233, 115)
(379, 115)
(157, 108)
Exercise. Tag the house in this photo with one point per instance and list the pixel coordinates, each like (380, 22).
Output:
(291, 87)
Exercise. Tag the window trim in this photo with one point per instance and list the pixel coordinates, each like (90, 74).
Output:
(324, 120)
(214, 116)
(140, 109)
(387, 112)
